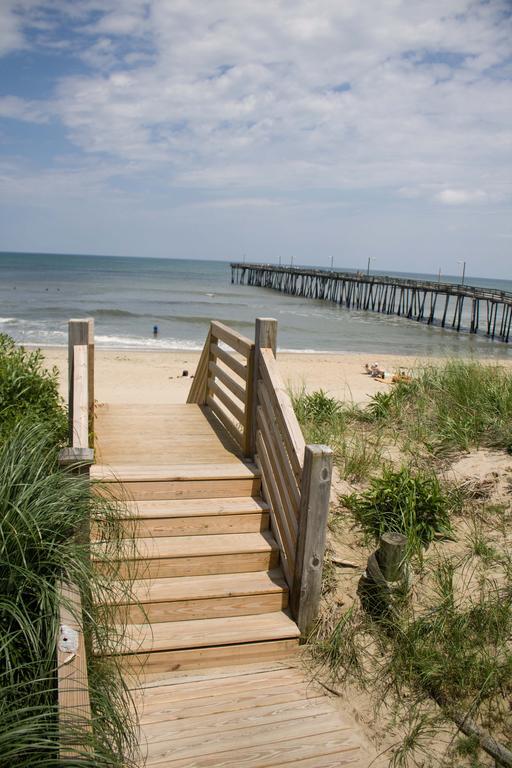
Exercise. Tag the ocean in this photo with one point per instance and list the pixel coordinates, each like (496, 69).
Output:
(128, 296)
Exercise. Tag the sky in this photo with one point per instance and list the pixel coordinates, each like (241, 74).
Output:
(319, 129)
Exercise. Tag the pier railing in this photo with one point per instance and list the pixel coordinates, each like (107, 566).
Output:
(295, 477)
(489, 309)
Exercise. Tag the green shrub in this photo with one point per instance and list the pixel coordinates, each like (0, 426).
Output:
(403, 502)
(28, 391)
(317, 406)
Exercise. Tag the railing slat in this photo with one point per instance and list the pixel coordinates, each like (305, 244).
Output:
(239, 368)
(80, 397)
(284, 410)
(290, 509)
(197, 392)
(291, 480)
(232, 338)
(287, 570)
(225, 420)
(224, 398)
(228, 382)
(277, 504)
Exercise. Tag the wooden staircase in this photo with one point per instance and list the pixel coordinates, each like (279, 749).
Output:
(208, 587)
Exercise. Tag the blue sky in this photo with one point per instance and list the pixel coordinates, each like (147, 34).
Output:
(316, 128)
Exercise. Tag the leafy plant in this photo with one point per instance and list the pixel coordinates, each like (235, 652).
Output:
(28, 391)
(404, 502)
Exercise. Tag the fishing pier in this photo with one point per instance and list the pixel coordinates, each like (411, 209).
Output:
(448, 305)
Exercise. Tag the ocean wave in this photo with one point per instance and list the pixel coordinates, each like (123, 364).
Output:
(151, 344)
(8, 320)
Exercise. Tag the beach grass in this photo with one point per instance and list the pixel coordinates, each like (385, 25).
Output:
(45, 514)
(444, 645)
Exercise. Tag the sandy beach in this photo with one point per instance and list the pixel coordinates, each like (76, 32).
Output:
(125, 376)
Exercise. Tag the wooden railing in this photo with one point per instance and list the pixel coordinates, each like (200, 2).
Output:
(296, 478)
(73, 688)
(224, 380)
(80, 394)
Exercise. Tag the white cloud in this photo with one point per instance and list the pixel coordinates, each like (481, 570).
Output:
(461, 196)
(270, 95)
(21, 109)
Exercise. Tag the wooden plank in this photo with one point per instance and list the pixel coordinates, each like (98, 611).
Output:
(225, 420)
(197, 392)
(73, 685)
(78, 334)
(201, 633)
(265, 338)
(249, 407)
(192, 489)
(205, 587)
(223, 376)
(289, 474)
(289, 500)
(128, 473)
(203, 658)
(288, 573)
(80, 397)
(227, 401)
(195, 507)
(197, 525)
(208, 608)
(237, 701)
(239, 368)
(279, 519)
(314, 510)
(196, 566)
(283, 409)
(165, 751)
(192, 546)
(232, 338)
(90, 372)
(225, 722)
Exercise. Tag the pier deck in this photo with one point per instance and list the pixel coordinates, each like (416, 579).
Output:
(455, 306)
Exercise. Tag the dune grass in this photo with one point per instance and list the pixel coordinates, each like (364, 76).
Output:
(446, 643)
(42, 541)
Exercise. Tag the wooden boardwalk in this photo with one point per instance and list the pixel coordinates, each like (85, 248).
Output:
(244, 717)
(224, 544)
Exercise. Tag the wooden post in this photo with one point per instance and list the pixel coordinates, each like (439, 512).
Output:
(80, 333)
(265, 337)
(391, 555)
(314, 509)
(90, 373)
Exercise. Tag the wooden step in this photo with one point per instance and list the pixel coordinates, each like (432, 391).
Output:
(190, 517)
(203, 597)
(208, 640)
(169, 556)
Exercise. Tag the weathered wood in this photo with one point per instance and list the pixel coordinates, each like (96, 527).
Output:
(223, 376)
(90, 372)
(225, 420)
(232, 338)
(239, 368)
(391, 555)
(265, 338)
(78, 335)
(80, 435)
(198, 390)
(73, 686)
(249, 414)
(287, 421)
(380, 292)
(314, 509)
(226, 401)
